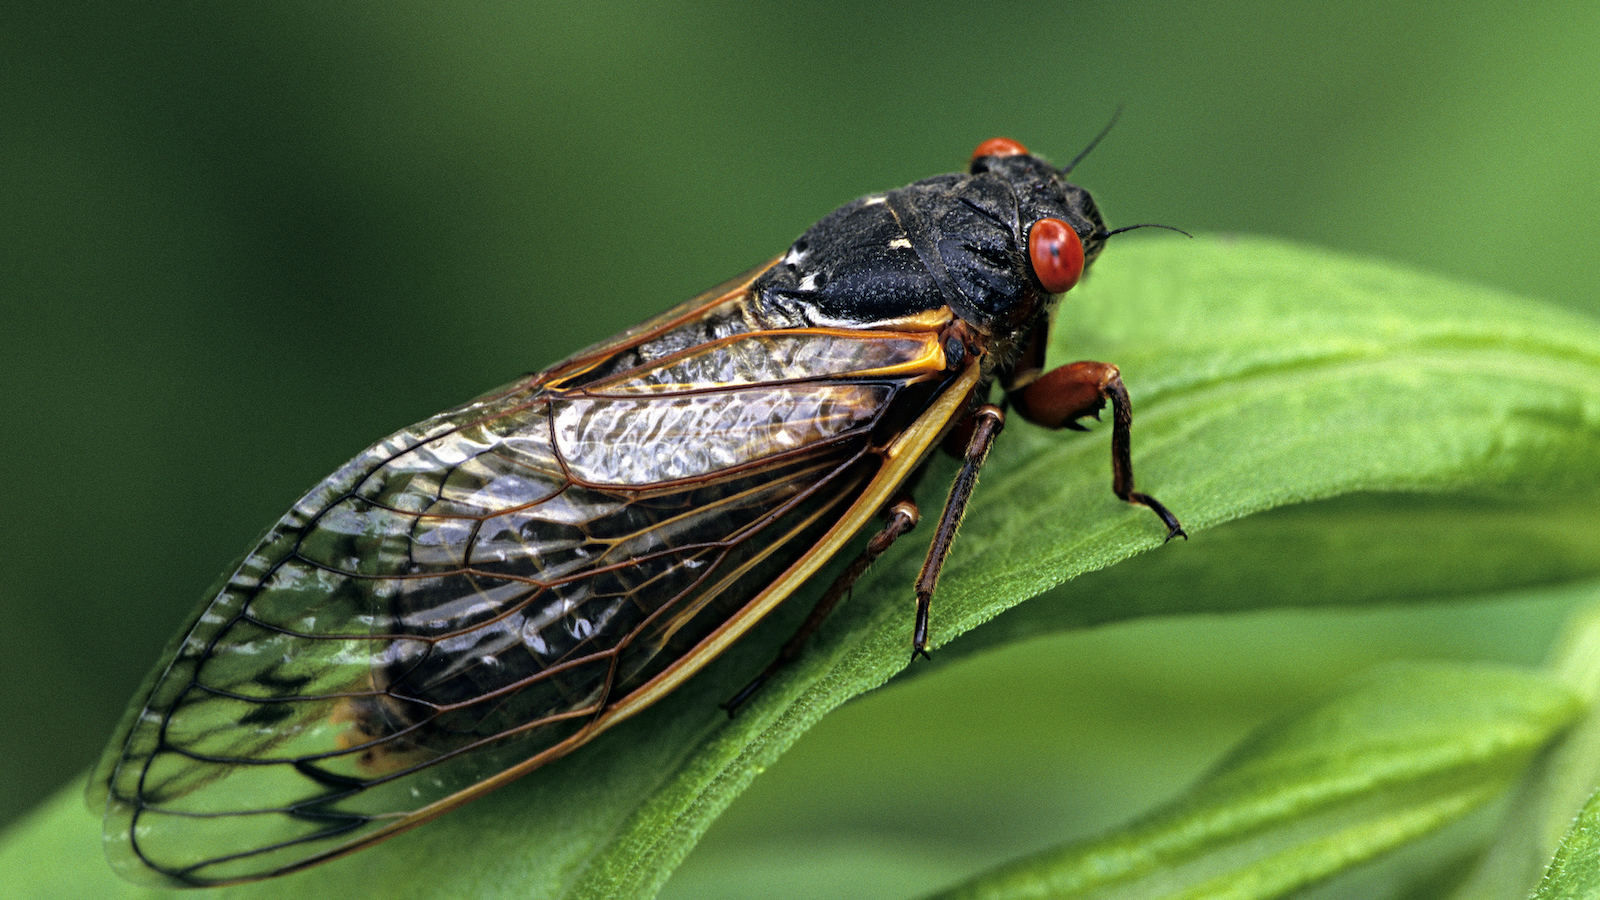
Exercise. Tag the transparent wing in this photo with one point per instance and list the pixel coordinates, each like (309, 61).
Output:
(471, 596)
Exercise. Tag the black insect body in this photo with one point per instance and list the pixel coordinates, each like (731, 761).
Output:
(486, 590)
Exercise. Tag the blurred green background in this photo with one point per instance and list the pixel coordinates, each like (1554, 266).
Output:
(241, 241)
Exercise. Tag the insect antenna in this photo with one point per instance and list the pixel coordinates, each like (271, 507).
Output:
(1092, 144)
(1105, 234)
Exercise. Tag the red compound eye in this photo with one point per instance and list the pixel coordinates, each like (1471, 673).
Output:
(999, 147)
(1056, 254)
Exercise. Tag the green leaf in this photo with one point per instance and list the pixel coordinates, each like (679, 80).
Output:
(1394, 756)
(1451, 433)
(1575, 872)
(1539, 820)
(1272, 376)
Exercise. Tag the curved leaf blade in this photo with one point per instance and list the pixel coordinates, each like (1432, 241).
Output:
(1394, 756)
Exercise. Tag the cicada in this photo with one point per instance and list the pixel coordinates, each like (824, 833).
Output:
(485, 591)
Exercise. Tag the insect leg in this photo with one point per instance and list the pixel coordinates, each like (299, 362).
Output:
(902, 518)
(987, 422)
(1061, 397)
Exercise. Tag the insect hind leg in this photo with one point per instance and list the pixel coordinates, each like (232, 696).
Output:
(903, 517)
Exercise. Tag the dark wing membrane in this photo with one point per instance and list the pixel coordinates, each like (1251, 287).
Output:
(474, 594)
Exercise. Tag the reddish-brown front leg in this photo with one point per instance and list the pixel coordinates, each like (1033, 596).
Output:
(1059, 398)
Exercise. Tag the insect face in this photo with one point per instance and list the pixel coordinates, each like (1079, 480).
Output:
(966, 243)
